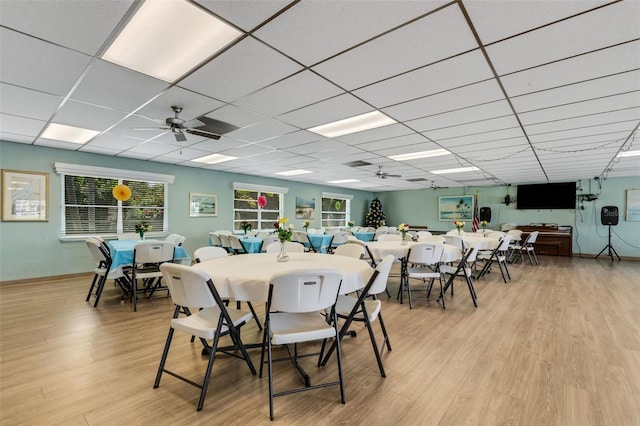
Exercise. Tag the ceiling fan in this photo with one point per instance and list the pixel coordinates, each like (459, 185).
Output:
(210, 127)
(383, 175)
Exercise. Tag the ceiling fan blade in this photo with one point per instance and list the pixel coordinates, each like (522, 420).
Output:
(202, 133)
(215, 126)
(149, 128)
(180, 137)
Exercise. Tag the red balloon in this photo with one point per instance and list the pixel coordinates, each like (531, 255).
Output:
(262, 201)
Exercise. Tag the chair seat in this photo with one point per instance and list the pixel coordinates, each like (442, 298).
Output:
(422, 273)
(448, 269)
(345, 305)
(203, 323)
(299, 327)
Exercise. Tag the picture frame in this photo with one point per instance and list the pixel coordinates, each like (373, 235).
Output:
(25, 196)
(305, 207)
(203, 205)
(455, 207)
(633, 205)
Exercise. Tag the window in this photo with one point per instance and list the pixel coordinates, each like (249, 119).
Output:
(336, 209)
(89, 207)
(245, 206)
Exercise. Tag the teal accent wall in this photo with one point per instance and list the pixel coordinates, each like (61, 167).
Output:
(33, 249)
(420, 207)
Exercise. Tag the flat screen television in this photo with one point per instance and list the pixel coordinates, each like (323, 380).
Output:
(546, 196)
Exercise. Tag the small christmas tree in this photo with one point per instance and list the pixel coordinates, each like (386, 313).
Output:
(375, 217)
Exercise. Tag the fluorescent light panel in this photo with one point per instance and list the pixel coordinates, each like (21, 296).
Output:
(165, 39)
(458, 170)
(359, 123)
(629, 153)
(294, 172)
(421, 154)
(214, 159)
(61, 132)
(344, 181)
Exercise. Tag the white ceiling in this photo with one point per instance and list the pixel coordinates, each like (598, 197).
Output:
(527, 91)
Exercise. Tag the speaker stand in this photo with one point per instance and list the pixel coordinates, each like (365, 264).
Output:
(611, 251)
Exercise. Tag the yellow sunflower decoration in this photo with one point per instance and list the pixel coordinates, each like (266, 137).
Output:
(121, 192)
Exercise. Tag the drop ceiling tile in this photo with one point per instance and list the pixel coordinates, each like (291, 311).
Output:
(495, 20)
(99, 150)
(446, 75)
(587, 131)
(301, 32)
(61, 22)
(386, 132)
(237, 116)
(294, 92)
(291, 139)
(112, 142)
(21, 126)
(246, 14)
(87, 116)
(498, 109)
(327, 111)
(399, 142)
(390, 54)
(239, 71)
(473, 94)
(575, 36)
(41, 66)
(27, 103)
(116, 87)
(152, 149)
(57, 144)
(593, 65)
(449, 141)
(264, 130)
(628, 115)
(193, 105)
(474, 128)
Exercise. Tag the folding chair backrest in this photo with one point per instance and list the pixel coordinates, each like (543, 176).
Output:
(187, 286)
(224, 240)
(455, 240)
(516, 234)
(153, 252)
(379, 284)
(425, 253)
(339, 238)
(421, 234)
(267, 241)
(433, 239)
(235, 243)
(293, 247)
(304, 291)
(224, 232)
(504, 243)
(390, 237)
(97, 251)
(214, 240)
(471, 253)
(351, 250)
(206, 253)
(532, 237)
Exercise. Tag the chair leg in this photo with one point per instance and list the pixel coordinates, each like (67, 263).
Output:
(472, 291)
(387, 342)
(101, 282)
(163, 359)
(374, 344)
(207, 375)
(255, 316)
(93, 283)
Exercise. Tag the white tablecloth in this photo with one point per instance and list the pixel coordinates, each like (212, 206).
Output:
(380, 249)
(480, 242)
(247, 277)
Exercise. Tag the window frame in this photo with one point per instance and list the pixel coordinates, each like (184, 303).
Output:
(346, 198)
(260, 190)
(64, 169)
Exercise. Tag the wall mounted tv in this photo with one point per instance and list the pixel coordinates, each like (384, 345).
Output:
(546, 196)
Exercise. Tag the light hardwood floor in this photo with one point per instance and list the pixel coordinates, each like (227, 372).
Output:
(558, 345)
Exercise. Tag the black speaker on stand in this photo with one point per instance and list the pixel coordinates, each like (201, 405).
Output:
(609, 216)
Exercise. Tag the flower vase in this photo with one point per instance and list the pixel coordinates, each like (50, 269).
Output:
(404, 240)
(142, 235)
(459, 231)
(282, 256)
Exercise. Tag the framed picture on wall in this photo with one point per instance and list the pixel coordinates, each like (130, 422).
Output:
(457, 207)
(203, 205)
(305, 208)
(633, 205)
(25, 196)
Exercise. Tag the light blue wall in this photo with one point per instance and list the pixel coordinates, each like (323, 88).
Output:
(29, 250)
(420, 207)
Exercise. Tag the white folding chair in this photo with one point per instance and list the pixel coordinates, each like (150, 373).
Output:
(424, 259)
(351, 250)
(176, 239)
(499, 255)
(366, 308)
(463, 269)
(303, 239)
(293, 316)
(338, 239)
(214, 240)
(289, 247)
(390, 237)
(236, 245)
(421, 234)
(267, 241)
(225, 242)
(191, 288)
(147, 258)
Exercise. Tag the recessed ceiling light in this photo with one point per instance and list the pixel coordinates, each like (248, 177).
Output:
(458, 170)
(214, 159)
(421, 154)
(629, 153)
(294, 172)
(359, 123)
(344, 181)
(61, 132)
(167, 39)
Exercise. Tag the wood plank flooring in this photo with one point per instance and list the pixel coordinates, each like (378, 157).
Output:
(558, 345)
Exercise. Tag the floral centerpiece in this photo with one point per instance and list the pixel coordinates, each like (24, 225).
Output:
(483, 225)
(306, 224)
(459, 225)
(284, 234)
(350, 224)
(403, 228)
(143, 227)
(246, 226)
